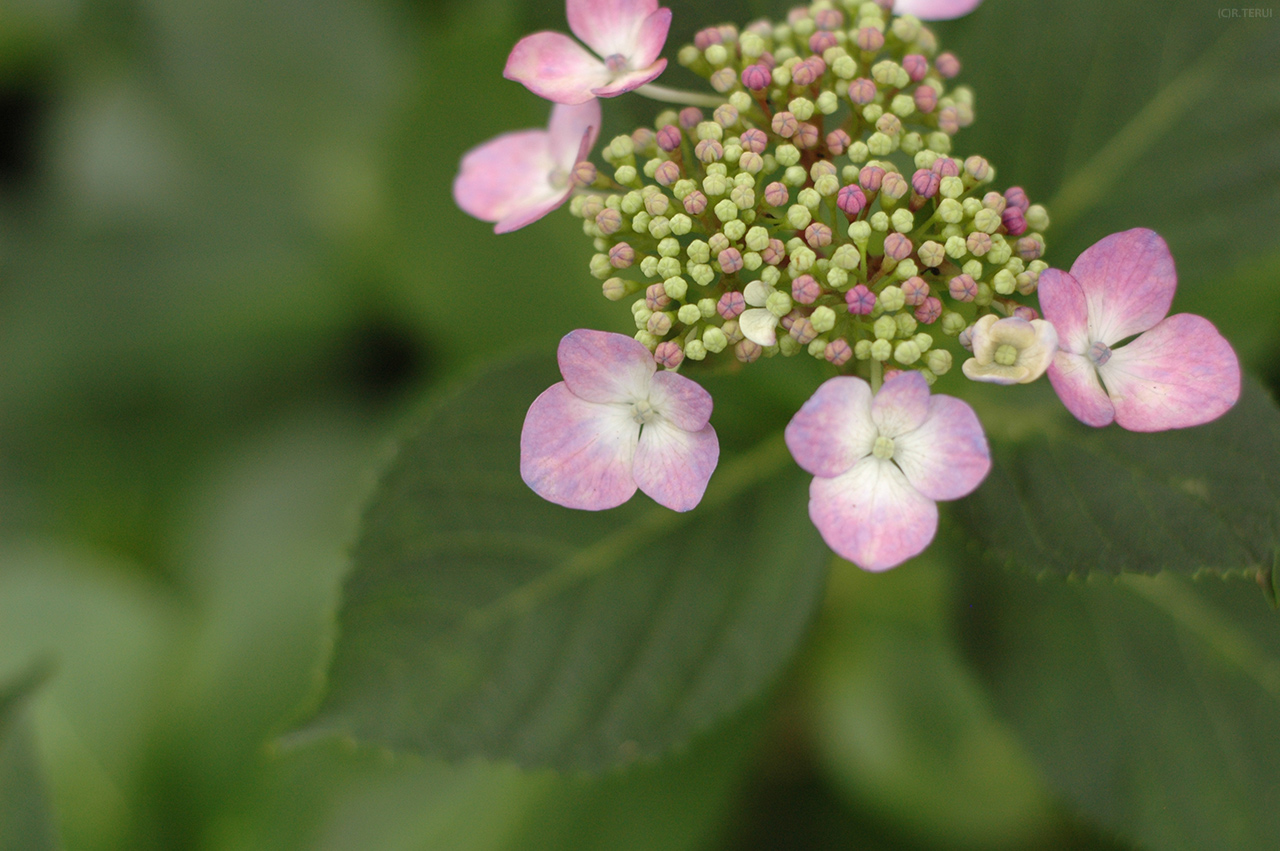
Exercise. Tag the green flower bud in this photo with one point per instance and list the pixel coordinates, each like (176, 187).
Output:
(924, 341)
(949, 210)
(911, 143)
(632, 203)
(906, 269)
(1000, 251)
(1026, 284)
(939, 142)
(902, 105)
(702, 274)
(698, 252)
(757, 239)
(695, 350)
(680, 189)
(795, 176)
(714, 339)
(818, 347)
(675, 288)
(971, 207)
(845, 67)
(837, 277)
(649, 266)
(862, 349)
(726, 210)
(641, 316)
(707, 307)
(716, 54)
(1004, 282)
(823, 319)
(715, 185)
(735, 229)
(859, 232)
(951, 230)
(906, 28)
(744, 197)
(688, 313)
(1015, 265)
(987, 221)
(626, 175)
(879, 221)
(871, 112)
(931, 253)
(891, 299)
(798, 216)
(827, 102)
(903, 220)
(622, 147)
(885, 328)
(788, 345)
(951, 187)
(709, 130)
(752, 261)
(752, 45)
(1037, 217)
(615, 289)
(939, 361)
(600, 266)
(659, 227)
(801, 108)
(787, 155)
(681, 224)
(906, 352)
(973, 268)
(984, 296)
(846, 256)
(858, 152)
(668, 267)
(732, 153)
(925, 158)
(881, 350)
(957, 247)
(952, 324)
(717, 242)
(741, 101)
(649, 341)
(881, 145)
(771, 275)
(826, 185)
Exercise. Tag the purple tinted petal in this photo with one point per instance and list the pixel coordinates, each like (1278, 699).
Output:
(1180, 373)
(573, 129)
(603, 367)
(1128, 280)
(685, 403)
(947, 456)
(673, 466)
(630, 81)
(1063, 304)
(577, 453)
(650, 39)
(609, 26)
(506, 176)
(1076, 383)
(871, 515)
(935, 10)
(833, 429)
(901, 405)
(554, 66)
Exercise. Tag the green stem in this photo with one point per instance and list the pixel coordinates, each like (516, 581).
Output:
(877, 376)
(666, 95)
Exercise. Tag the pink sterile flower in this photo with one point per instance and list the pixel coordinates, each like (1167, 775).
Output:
(614, 424)
(1177, 372)
(880, 464)
(627, 34)
(935, 10)
(517, 178)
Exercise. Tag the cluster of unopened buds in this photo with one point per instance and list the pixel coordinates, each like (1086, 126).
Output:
(815, 206)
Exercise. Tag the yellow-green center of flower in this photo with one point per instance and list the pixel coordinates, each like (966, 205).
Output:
(883, 448)
(1006, 355)
(642, 412)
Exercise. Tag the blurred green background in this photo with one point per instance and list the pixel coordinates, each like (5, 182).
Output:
(231, 273)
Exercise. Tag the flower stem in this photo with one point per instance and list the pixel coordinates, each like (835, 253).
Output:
(877, 376)
(665, 95)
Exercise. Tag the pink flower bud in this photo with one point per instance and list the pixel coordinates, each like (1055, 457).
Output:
(690, 117)
(851, 200)
(747, 351)
(926, 98)
(805, 289)
(869, 39)
(655, 297)
(817, 235)
(860, 300)
(1017, 198)
(1014, 222)
(621, 256)
(726, 115)
(837, 142)
(754, 140)
(945, 167)
(776, 194)
(659, 324)
(766, 59)
(803, 332)
(978, 243)
(947, 64)
(666, 173)
(828, 19)
(871, 177)
(1030, 248)
(584, 174)
(894, 185)
(708, 151)
(1022, 311)
(837, 352)
(928, 312)
(756, 77)
(695, 203)
(822, 41)
(916, 66)
(774, 253)
(862, 91)
(609, 221)
(796, 14)
(703, 39)
(642, 138)
(730, 260)
(925, 182)
(669, 138)
(977, 167)
(966, 338)
(806, 136)
(949, 120)
(668, 354)
(915, 290)
(897, 245)
(963, 288)
(994, 201)
(730, 305)
(785, 124)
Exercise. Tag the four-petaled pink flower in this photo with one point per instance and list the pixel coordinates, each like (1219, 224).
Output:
(517, 178)
(880, 464)
(935, 10)
(627, 34)
(1177, 372)
(614, 424)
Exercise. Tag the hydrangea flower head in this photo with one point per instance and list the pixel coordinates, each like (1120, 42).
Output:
(1177, 372)
(627, 36)
(880, 464)
(614, 424)
(517, 178)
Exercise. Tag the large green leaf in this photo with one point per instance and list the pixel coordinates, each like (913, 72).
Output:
(481, 620)
(26, 823)
(1070, 499)
(1149, 702)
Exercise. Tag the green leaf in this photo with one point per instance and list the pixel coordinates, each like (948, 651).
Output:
(1071, 499)
(1149, 702)
(26, 823)
(481, 620)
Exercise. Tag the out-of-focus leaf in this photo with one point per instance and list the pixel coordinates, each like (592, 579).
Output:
(1071, 499)
(1148, 702)
(26, 823)
(481, 620)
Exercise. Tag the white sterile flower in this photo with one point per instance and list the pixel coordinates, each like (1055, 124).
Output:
(1010, 351)
(759, 324)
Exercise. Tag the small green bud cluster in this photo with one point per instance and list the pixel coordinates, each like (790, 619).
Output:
(826, 176)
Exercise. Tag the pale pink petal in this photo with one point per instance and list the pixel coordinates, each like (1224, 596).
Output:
(1180, 373)
(901, 405)
(935, 10)
(610, 27)
(650, 39)
(680, 400)
(673, 466)
(833, 429)
(554, 66)
(577, 453)
(1076, 383)
(947, 456)
(1063, 304)
(1128, 280)
(872, 515)
(602, 367)
(759, 326)
(630, 81)
(508, 176)
(573, 129)
(527, 216)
